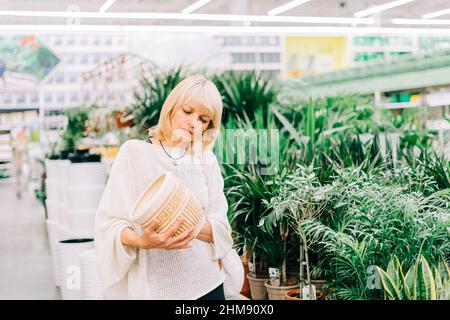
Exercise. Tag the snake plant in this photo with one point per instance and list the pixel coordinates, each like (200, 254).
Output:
(421, 282)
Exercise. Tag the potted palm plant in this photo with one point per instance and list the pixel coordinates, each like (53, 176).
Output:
(247, 187)
(278, 249)
(299, 198)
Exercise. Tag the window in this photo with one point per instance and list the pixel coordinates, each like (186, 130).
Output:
(70, 58)
(58, 41)
(108, 41)
(265, 41)
(274, 41)
(251, 41)
(84, 59)
(96, 59)
(243, 57)
(59, 78)
(73, 78)
(48, 97)
(84, 41)
(232, 41)
(61, 97)
(21, 98)
(74, 97)
(7, 98)
(34, 98)
(270, 73)
(270, 57)
(96, 41)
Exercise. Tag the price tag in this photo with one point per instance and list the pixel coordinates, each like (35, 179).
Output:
(307, 290)
(251, 269)
(274, 274)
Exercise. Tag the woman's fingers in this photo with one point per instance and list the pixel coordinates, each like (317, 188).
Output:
(152, 226)
(171, 231)
(182, 236)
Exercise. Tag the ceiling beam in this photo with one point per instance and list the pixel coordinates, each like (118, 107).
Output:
(387, 6)
(286, 7)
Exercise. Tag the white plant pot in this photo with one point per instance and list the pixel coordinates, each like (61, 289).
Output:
(90, 278)
(87, 174)
(63, 171)
(81, 222)
(84, 198)
(52, 190)
(69, 264)
(63, 194)
(63, 218)
(53, 233)
(51, 169)
(53, 210)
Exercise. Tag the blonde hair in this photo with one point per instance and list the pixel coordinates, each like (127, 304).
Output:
(195, 90)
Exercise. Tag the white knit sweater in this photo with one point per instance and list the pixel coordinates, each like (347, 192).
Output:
(130, 273)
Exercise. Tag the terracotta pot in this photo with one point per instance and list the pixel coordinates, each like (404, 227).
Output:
(246, 286)
(257, 288)
(289, 295)
(278, 292)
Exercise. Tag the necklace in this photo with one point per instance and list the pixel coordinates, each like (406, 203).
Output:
(174, 160)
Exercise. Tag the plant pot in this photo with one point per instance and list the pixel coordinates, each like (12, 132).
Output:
(86, 174)
(246, 286)
(258, 290)
(84, 198)
(166, 200)
(81, 223)
(69, 264)
(278, 292)
(291, 294)
(52, 231)
(90, 278)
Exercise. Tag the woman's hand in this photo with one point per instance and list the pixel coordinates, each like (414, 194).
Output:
(150, 239)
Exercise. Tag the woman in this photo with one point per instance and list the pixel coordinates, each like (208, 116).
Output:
(142, 264)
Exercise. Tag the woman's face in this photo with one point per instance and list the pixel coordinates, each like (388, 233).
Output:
(190, 120)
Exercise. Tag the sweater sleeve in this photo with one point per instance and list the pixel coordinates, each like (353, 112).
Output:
(113, 258)
(217, 210)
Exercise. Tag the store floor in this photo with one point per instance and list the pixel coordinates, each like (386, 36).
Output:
(25, 261)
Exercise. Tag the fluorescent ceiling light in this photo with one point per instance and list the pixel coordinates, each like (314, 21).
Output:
(422, 21)
(192, 17)
(383, 7)
(195, 6)
(106, 5)
(225, 29)
(286, 7)
(436, 14)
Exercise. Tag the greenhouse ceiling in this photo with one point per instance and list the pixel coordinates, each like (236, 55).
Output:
(316, 17)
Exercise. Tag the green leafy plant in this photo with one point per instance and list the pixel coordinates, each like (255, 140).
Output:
(76, 127)
(243, 93)
(420, 282)
(366, 221)
(152, 95)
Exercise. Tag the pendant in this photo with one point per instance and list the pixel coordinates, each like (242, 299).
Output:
(175, 163)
